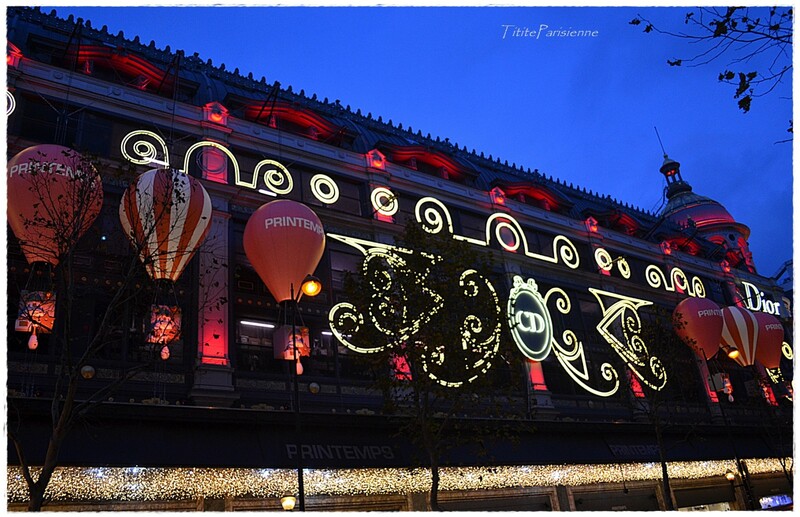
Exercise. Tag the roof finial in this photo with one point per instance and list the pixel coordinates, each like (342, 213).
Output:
(659, 142)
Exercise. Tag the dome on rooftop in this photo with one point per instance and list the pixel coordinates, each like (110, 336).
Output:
(685, 205)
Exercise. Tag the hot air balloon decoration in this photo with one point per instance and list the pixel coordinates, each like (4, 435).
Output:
(757, 337)
(770, 340)
(284, 241)
(739, 333)
(57, 195)
(698, 322)
(166, 215)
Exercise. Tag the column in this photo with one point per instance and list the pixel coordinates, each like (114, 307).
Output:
(213, 376)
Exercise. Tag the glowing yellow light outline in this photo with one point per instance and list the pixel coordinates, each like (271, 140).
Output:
(206, 143)
(387, 208)
(655, 278)
(563, 248)
(786, 350)
(280, 171)
(12, 103)
(150, 152)
(273, 177)
(323, 179)
(775, 375)
(531, 289)
(573, 352)
(342, 312)
(634, 347)
(604, 261)
(484, 363)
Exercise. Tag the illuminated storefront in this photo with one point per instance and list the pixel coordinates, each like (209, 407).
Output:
(211, 426)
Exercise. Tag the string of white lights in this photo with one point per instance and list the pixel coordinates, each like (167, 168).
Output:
(160, 484)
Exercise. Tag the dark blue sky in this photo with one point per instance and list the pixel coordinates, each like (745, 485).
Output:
(580, 109)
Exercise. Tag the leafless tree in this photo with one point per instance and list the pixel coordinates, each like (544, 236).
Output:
(75, 349)
(432, 335)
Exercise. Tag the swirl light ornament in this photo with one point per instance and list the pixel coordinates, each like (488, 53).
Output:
(145, 148)
(480, 336)
(604, 261)
(345, 320)
(572, 356)
(277, 178)
(677, 281)
(11, 103)
(434, 217)
(621, 327)
(384, 201)
(388, 311)
(393, 317)
(324, 189)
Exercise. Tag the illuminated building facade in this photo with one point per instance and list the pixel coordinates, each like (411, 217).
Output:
(212, 427)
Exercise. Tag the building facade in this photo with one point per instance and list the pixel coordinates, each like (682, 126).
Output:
(215, 425)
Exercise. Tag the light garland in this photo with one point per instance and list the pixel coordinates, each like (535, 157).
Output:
(159, 484)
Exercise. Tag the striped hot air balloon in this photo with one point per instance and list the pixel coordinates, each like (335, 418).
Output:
(166, 214)
(740, 331)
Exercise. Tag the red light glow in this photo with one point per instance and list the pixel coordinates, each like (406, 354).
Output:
(215, 342)
(497, 196)
(769, 395)
(636, 386)
(128, 65)
(215, 165)
(536, 376)
(376, 159)
(402, 372)
(294, 118)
